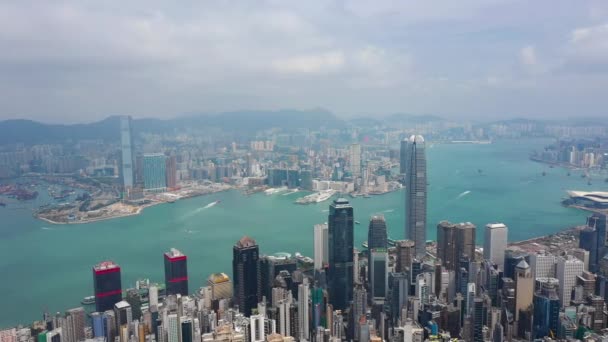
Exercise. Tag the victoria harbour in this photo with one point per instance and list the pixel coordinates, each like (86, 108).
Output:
(480, 183)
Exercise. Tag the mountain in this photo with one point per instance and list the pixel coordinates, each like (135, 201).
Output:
(413, 118)
(241, 122)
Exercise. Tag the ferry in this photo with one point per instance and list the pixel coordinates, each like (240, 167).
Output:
(273, 191)
(89, 300)
(357, 222)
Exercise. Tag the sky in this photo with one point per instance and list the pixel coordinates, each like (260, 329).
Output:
(81, 61)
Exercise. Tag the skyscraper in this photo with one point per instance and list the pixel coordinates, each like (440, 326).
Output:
(403, 157)
(405, 255)
(341, 240)
(75, 323)
(107, 284)
(321, 249)
(376, 235)
(127, 154)
(495, 243)
(524, 287)
(171, 172)
(176, 272)
(155, 172)
(546, 309)
(246, 274)
(567, 270)
(454, 242)
(304, 311)
(415, 200)
(355, 160)
(593, 239)
(378, 257)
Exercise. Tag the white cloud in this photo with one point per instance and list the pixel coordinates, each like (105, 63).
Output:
(324, 62)
(527, 56)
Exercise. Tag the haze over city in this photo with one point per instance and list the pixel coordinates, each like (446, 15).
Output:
(67, 61)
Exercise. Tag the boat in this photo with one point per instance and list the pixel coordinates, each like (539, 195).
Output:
(212, 204)
(317, 197)
(89, 300)
(357, 222)
(568, 174)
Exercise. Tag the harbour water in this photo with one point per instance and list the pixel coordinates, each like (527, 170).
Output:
(48, 267)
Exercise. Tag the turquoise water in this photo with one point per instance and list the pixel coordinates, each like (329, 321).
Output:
(45, 266)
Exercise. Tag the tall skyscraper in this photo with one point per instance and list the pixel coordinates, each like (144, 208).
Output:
(546, 309)
(355, 160)
(378, 257)
(124, 314)
(304, 311)
(403, 157)
(341, 240)
(454, 242)
(321, 248)
(415, 200)
(567, 270)
(171, 172)
(376, 235)
(246, 274)
(495, 243)
(75, 320)
(593, 239)
(405, 255)
(524, 287)
(155, 172)
(107, 284)
(542, 265)
(176, 272)
(127, 155)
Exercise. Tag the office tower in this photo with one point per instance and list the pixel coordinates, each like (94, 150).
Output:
(221, 286)
(172, 328)
(546, 309)
(176, 272)
(378, 274)
(567, 271)
(478, 318)
(321, 248)
(355, 160)
(593, 239)
(415, 200)
(512, 258)
(583, 256)
(403, 157)
(340, 237)
(97, 324)
(542, 265)
(109, 324)
(187, 330)
(171, 172)
(127, 154)
(123, 315)
(524, 287)
(303, 311)
(246, 274)
(155, 168)
(455, 241)
(399, 288)
(495, 243)
(272, 266)
(75, 320)
(405, 254)
(107, 284)
(377, 236)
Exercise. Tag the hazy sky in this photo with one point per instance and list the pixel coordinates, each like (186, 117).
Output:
(73, 61)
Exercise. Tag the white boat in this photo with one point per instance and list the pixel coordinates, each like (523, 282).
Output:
(273, 191)
(317, 197)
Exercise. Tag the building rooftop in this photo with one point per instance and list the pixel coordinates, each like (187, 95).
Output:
(594, 196)
(496, 225)
(105, 265)
(174, 253)
(217, 278)
(522, 265)
(418, 139)
(245, 241)
(122, 305)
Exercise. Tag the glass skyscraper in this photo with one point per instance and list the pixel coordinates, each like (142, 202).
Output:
(155, 172)
(376, 236)
(107, 285)
(126, 141)
(246, 274)
(340, 273)
(415, 193)
(176, 272)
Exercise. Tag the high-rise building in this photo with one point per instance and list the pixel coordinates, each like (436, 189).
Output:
(176, 272)
(377, 236)
(341, 240)
(454, 242)
(75, 320)
(124, 315)
(221, 286)
(127, 155)
(304, 311)
(495, 243)
(546, 309)
(107, 284)
(415, 200)
(378, 274)
(542, 265)
(321, 248)
(593, 239)
(524, 287)
(155, 167)
(171, 172)
(405, 255)
(246, 274)
(567, 270)
(355, 160)
(403, 157)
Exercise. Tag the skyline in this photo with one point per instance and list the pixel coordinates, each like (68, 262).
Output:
(472, 60)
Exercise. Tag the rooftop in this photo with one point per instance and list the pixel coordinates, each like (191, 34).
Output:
(245, 241)
(174, 253)
(217, 278)
(418, 139)
(594, 196)
(105, 265)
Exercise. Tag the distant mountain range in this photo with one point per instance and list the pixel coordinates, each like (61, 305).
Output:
(32, 132)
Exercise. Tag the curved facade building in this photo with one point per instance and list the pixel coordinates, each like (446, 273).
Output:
(415, 194)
